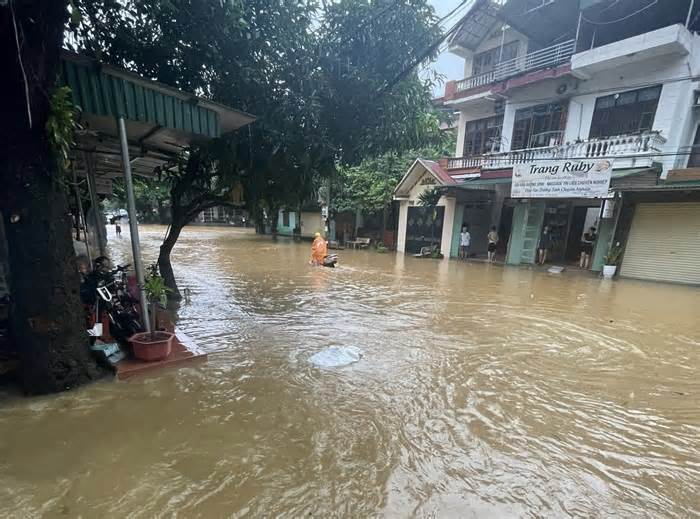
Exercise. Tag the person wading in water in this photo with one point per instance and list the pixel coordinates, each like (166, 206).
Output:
(319, 250)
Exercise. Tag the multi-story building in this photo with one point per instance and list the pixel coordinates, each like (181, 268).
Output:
(606, 88)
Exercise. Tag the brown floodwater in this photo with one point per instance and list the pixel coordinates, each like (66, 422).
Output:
(482, 391)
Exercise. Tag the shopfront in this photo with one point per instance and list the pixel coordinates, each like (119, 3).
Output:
(420, 226)
(659, 232)
(564, 195)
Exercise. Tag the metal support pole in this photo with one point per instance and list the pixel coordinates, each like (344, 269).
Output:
(578, 31)
(81, 215)
(133, 222)
(95, 204)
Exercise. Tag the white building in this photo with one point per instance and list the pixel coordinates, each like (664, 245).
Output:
(554, 80)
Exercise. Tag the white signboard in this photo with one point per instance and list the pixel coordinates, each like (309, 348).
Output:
(562, 179)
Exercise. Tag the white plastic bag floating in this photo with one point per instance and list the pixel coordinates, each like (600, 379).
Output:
(336, 356)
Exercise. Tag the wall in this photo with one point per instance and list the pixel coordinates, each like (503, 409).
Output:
(311, 223)
(485, 108)
(675, 119)
(413, 200)
(403, 222)
(491, 43)
(286, 230)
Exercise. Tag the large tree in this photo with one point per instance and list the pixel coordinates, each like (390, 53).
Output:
(369, 186)
(47, 318)
(327, 83)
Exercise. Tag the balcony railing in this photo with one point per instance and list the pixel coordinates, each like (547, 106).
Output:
(627, 146)
(543, 58)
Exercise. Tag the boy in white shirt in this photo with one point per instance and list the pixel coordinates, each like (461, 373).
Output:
(465, 240)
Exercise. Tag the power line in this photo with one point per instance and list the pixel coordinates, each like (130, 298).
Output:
(459, 6)
(428, 51)
(638, 11)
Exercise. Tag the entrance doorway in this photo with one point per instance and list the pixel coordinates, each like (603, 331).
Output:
(423, 228)
(504, 229)
(582, 219)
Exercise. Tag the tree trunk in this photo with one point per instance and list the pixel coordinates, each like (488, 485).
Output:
(275, 216)
(164, 264)
(48, 321)
(385, 218)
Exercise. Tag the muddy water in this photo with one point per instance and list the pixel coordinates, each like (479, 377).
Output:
(482, 391)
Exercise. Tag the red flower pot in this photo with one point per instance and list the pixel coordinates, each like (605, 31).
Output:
(152, 350)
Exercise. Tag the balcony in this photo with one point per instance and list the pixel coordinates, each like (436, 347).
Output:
(541, 59)
(667, 42)
(631, 150)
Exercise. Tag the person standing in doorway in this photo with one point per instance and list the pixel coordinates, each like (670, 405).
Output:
(465, 241)
(117, 228)
(492, 236)
(545, 244)
(587, 244)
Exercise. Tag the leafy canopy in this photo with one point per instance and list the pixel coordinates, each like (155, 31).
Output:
(369, 186)
(310, 72)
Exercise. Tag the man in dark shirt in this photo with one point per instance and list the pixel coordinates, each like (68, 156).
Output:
(545, 244)
(587, 244)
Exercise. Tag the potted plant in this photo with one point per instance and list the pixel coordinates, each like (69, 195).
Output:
(153, 345)
(610, 261)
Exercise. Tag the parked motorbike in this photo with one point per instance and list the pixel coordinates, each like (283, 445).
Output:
(110, 293)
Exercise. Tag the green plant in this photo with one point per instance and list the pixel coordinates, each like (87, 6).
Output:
(157, 295)
(429, 199)
(381, 248)
(61, 125)
(613, 255)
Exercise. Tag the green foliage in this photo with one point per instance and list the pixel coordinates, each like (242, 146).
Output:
(613, 255)
(152, 197)
(430, 198)
(61, 125)
(156, 294)
(369, 186)
(155, 288)
(314, 88)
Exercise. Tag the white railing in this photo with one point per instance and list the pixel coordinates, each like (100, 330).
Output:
(646, 144)
(543, 58)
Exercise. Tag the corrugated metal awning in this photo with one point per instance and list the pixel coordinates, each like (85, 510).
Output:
(160, 121)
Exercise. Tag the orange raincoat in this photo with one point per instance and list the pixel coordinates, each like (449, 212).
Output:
(319, 250)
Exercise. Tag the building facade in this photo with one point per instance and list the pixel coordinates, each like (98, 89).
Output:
(565, 84)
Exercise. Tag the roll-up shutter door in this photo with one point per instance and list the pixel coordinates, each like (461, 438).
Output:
(664, 243)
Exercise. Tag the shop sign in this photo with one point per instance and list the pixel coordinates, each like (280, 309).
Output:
(562, 179)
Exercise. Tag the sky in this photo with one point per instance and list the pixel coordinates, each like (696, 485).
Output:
(448, 64)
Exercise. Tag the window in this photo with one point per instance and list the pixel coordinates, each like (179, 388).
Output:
(694, 159)
(538, 126)
(285, 218)
(482, 136)
(486, 61)
(626, 112)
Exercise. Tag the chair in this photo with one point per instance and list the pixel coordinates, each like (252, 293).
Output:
(361, 243)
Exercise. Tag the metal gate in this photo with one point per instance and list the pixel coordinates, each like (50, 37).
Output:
(664, 243)
(421, 230)
(527, 224)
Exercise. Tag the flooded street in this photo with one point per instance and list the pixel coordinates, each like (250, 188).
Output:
(482, 391)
